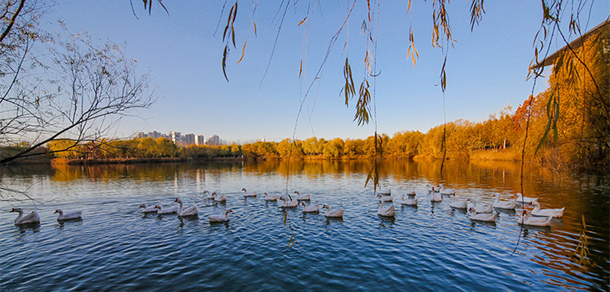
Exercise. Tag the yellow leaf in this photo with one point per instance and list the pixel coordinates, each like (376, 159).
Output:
(301, 68)
(302, 21)
(243, 52)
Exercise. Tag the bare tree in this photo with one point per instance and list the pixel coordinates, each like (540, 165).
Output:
(60, 87)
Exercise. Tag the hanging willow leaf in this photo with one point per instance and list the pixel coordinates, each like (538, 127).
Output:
(292, 241)
(373, 175)
(476, 13)
(444, 76)
(582, 247)
(243, 52)
(225, 53)
(555, 119)
(148, 4)
(362, 106)
(254, 23)
(552, 111)
(349, 89)
(302, 21)
(300, 68)
(233, 36)
(285, 218)
(413, 55)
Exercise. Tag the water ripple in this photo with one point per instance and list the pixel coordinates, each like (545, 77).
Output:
(431, 247)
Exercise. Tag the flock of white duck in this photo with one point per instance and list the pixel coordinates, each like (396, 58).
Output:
(287, 202)
(478, 212)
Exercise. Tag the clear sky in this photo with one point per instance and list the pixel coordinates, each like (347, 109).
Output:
(486, 69)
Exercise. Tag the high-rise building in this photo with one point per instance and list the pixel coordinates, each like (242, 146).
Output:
(176, 137)
(213, 140)
(199, 140)
(189, 139)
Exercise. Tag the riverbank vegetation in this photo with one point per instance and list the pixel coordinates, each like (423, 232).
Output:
(581, 141)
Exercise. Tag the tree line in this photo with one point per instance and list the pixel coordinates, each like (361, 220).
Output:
(566, 124)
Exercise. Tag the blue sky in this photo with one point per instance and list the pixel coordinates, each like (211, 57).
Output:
(486, 69)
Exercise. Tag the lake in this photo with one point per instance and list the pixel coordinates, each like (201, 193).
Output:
(430, 247)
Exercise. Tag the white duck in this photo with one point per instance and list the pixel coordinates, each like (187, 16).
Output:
(221, 218)
(168, 210)
(557, 213)
(68, 216)
(190, 211)
(457, 203)
(148, 209)
(332, 213)
(481, 209)
(270, 198)
(289, 204)
(247, 195)
(507, 205)
(526, 219)
(444, 191)
(27, 219)
(311, 208)
(388, 211)
(436, 196)
(219, 198)
(411, 201)
(483, 217)
(385, 198)
(303, 197)
(525, 200)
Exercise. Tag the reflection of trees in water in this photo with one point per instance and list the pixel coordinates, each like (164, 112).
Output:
(458, 174)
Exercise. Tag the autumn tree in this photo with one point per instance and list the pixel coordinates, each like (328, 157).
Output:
(571, 118)
(353, 148)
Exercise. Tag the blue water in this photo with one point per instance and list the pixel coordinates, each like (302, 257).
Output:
(428, 248)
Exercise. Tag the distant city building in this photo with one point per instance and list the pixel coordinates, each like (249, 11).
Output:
(189, 139)
(182, 140)
(199, 140)
(176, 137)
(213, 140)
(154, 135)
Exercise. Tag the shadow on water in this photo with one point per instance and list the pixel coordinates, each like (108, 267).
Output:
(474, 223)
(23, 228)
(386, 219)
(527, 229)
(330, 221)
(194, 220)
(74, 222)
(220, 224)
(412, 208)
